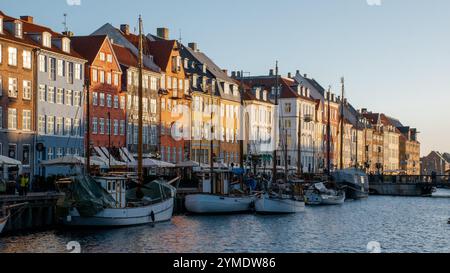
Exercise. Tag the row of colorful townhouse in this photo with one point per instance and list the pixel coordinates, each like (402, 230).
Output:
(193, 109)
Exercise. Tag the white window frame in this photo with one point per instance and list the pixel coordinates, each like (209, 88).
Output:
(12, 118)
(26, 120)
(26, 58)
(12, 56)
(26, 90)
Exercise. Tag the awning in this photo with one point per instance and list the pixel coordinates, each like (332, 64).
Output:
(73, 160)
(152, 163)
(187, 164)
(4, 160)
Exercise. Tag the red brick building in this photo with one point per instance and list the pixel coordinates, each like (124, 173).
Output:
(107, 101)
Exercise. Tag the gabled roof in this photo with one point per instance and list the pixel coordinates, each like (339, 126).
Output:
(88, 46)
(161, 51)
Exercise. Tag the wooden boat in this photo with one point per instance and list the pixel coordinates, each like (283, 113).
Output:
(126, 210)
(318, 194)
(218, 204)
(355, 182)
(278, 204)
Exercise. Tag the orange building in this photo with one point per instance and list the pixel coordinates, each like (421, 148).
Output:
(174, 97)
(107, 101)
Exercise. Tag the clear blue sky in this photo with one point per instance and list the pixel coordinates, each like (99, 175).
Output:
(395, 57)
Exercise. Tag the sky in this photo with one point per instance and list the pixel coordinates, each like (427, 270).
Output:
(394, 54)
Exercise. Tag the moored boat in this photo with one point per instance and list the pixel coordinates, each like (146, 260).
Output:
(319, 194)
(278, 204)
(3, 221)
(217, 204)
(355, 182)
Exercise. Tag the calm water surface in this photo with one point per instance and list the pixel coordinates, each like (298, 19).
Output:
(399, 224)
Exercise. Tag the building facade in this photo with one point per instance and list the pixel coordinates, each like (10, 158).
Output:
(17, 89)
(59, 101)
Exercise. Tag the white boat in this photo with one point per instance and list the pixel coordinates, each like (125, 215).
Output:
(318, 194)
(275, 204)
(217, 204)
(122, 208)
(3, 221)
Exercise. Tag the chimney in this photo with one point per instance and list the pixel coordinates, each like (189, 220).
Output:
(225, 71)
(68, 33)
(305, 75)
(289, 75)
(193, 46)
(125, 29)
(239, 74)
(163, 33)
(364, 110)
(271, 72)
(27, 18)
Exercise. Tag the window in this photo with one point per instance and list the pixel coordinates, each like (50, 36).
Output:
(94, 126)
(78, 71)
(47, 39)
(61, 68)
(102, 76)
(109, 58)
(12, 87)
(51, 95)
(95, 98)
(102, 126)
(1, 83)
(12, 56)
(59, 126)
(1, 28)
(122, 102)
(50, 125)
(122, 127)
(163, 81)
(68, 98)
(76, 98)
(287, 108)
(50, 153)
(59, 152)
(26, 55)
(76, 127)
(12, 118)
(102, 99)
(26, 120)
(26, 90)
(66, 45)
(169, 82)
(108, 78)
(145, 105)
(153, 83)
(41, 124)
(153, 106)
(116, 101)
(108, 126)
(12, 151)
(42, 63)
(102, 56)
(116, 127)
(59, 96)
(52, 75)
(71, 72)
(1, 120)
(116, 79)
(68, 126)
(94, 75)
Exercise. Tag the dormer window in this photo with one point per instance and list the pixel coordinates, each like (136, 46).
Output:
(47, 39)
(18, 30)
(204, 68)
(66, 45)
(1, 25)
(264, 95)
(257, 93)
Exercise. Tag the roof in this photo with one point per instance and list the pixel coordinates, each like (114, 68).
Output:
(126, 57)
(30, 29)
(161, 51)
(88, 46)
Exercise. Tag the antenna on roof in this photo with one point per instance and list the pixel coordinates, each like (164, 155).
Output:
(65, 23)
(180, 39)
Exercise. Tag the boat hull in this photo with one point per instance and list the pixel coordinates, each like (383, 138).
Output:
(3, 222)
(216, 204)
(269, 205)
(162, 212)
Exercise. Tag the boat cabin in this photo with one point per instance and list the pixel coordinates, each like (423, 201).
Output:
(222, 182)
(116, 187)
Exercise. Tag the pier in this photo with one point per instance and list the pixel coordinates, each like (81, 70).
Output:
(31, 212)
(407, 185)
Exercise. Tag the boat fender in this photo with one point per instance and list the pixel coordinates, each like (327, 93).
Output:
(152, 215)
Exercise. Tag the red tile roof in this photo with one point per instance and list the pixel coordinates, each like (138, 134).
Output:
(126, 57)
(88, 46)
(161, 51)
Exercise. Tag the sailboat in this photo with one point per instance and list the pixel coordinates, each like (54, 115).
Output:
(215, 186)
(105, 201)
(285, 200)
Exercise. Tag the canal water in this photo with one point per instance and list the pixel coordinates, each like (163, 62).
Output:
(398, 224)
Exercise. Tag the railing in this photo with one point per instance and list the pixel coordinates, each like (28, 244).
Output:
(410, 179)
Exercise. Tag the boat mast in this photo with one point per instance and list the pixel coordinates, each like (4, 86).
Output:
(211, 142)
(274, 159)
(342, 125)
(88, 122)
(329, 133)
(140, 111)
